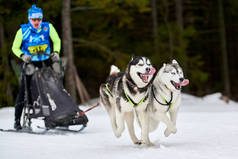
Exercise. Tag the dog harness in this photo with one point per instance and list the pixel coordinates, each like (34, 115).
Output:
(134, 104)
(108, 89)
(166, 102)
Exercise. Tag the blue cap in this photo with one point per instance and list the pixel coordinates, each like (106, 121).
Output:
(35, 12)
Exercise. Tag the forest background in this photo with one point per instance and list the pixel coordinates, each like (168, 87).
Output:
(201, 35)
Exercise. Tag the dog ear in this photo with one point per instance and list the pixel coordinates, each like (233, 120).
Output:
(133, 57)
(174, 61)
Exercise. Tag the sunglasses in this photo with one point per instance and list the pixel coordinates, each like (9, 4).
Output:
(36, 19)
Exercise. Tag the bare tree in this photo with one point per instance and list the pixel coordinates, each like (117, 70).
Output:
(179, 18)
(155, 25)
(72, 80)
(6, 66)
(222, 30)
(165, 13)
(180, 24)
(1, 36)
(68, 48)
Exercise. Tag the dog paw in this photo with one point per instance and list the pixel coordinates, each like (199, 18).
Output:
(117, 134)
(174, 130)
(138, 142)
(149, 144)
(170, 131)
(167, 132)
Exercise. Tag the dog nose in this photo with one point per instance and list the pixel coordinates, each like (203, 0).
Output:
(148, 69)
(181, 79)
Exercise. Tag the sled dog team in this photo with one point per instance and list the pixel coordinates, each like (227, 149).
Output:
(142, 92)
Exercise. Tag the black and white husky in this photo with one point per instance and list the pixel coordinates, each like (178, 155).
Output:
(126, 92)
(166, 97)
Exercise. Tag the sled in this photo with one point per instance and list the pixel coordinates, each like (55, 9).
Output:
(48, 100)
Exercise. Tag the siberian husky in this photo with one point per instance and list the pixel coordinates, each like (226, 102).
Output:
(126, 92)
(166, 97)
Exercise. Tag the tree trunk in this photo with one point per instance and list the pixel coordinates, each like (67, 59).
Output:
(223, 48)
(1, 36)
(179, 13)
(6, 77)
(179, 22)
(83, 94)
(155, 25)
(179, 19)
(165, 15)
(68, 48)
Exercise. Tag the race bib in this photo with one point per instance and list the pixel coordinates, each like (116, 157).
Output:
(38, 48)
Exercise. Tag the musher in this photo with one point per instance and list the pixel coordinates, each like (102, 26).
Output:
(31, 38)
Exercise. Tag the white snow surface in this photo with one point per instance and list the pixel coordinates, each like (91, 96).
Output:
(207, 129)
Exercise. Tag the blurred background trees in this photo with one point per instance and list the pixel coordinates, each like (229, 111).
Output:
(201, 35)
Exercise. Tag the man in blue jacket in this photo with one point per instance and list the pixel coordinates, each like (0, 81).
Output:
(31, 38)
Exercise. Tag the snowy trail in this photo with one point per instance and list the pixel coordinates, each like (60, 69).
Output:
(207, 129)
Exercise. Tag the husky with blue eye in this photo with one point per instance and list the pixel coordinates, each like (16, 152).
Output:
(166, 97)
(126, 92)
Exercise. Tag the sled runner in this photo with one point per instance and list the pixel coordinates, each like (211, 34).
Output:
(46, 98)
(44, 131)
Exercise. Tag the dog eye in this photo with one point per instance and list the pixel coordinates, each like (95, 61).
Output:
(141, 64)
(173, 73)
(148, 63)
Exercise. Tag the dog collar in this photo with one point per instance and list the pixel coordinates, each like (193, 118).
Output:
(166, 102)
(134, 104)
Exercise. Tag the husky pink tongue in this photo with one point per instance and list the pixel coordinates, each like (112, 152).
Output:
(152, 71)
(184, 83)
(145, 76)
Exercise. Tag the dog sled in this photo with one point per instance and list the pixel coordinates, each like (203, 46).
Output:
(48, 100)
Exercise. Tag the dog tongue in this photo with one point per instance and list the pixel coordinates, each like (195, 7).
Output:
(152, 71)
(184, 83)
(144, 77)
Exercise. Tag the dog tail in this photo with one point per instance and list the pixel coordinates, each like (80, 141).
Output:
(114, 70)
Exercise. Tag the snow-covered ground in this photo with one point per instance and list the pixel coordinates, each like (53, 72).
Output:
(207, 129)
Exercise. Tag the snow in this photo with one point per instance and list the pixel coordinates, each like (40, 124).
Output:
(207, 128)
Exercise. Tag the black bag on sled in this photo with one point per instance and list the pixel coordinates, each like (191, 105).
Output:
(50, 100)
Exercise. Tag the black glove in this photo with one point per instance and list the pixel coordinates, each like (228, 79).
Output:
(55, 56)
(26, 58)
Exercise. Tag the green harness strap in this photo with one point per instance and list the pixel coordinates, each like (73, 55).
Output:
(128, 98)
(108, 89)
(168, 103)
(131, 101)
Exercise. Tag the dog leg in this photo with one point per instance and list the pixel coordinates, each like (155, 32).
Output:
(120, 123)
(144, 120)
(170, 126)
(112, 115)
(173, 118)
(129, 116)
(109, 106)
